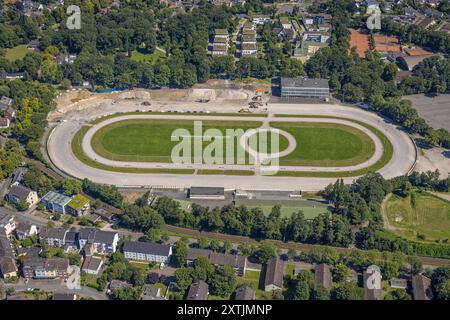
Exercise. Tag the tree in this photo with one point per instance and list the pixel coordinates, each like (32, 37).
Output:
(265, 252)
(152, 235)
(223, 281)
(183, 277)
(348, 291)
(179, 256)
(203, 243)
(227, 246)
(214, 245)
(320, 293)
(340, 272)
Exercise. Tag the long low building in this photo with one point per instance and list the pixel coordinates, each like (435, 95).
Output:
(40, 268)
(305, 88)
(145, 251)
(238, 262)
(207, 193)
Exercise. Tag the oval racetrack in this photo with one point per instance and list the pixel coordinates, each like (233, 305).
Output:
(61, 155)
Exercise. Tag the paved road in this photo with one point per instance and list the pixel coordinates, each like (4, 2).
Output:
(60, 288)
(59, 148)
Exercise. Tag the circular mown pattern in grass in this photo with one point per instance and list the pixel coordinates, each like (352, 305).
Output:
(326, 144)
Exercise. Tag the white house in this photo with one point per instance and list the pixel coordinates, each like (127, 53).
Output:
(144, 251)
(25, 230)
(102, 241)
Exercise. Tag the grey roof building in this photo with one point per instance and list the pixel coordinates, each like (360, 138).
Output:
(274, 275)
(198, 291)
(305, 88)
(207, 193)
(151, 293)
(102, 241)
(323, 276)
(152, 252)
(421, 287)
(55, 202)
(244, 293)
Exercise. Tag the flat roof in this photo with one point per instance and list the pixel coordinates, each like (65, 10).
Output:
(207, 191)
(78, 202)
(304, 83)
(57, 198)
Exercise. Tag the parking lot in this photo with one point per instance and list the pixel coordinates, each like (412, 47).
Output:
(435, 110)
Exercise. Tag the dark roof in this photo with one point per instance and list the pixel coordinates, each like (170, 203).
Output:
(7, 265)
(323, 276)
(92, 263)
(29, 252)
(198, 291)
(118, 284)
(64, 296)
(19, 191)
(60, 264)
(194, 253)
(274, 273)
(244, 293)
(206, 191)
(96, 236)
(146, 248)
(222, 259)
(421, 286)
(23, 226)
(53, 233)
(151, 293)
(304, 83)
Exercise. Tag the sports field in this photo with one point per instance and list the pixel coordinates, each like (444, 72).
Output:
(311, 209)
(425, 218)
(150, 140)
(326, 144)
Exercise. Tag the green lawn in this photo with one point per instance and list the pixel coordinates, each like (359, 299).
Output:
(430, 217)
(16, 53)
(326, 144)
(151, 58)
(311, 209)
(80, 155)
(151, 140)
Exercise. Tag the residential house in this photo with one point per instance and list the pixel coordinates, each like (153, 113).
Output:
(244, 293)
(7, 223)
(118, 284)
(194, 253)
(12, 75)
(92, 265)
(323, 277)
(260, 19)
(25, 230)
(18, 193)
(18, 174)
(29, 252)
(33, 45)
(40, 268)
(54, 237)
(274, 275)
(4, 123)
(421, 287)
(426, 23)
(64, 296)
(317, 36)
(8, 267)
(398, 283)
(55, 202)
(145, 251)
(238, 262)
(198, 291)
(285, 22)
(249, 49)
(78, 206)
(103, 241)
(150, 292)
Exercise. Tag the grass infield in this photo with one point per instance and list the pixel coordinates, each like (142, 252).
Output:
(352, 135)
